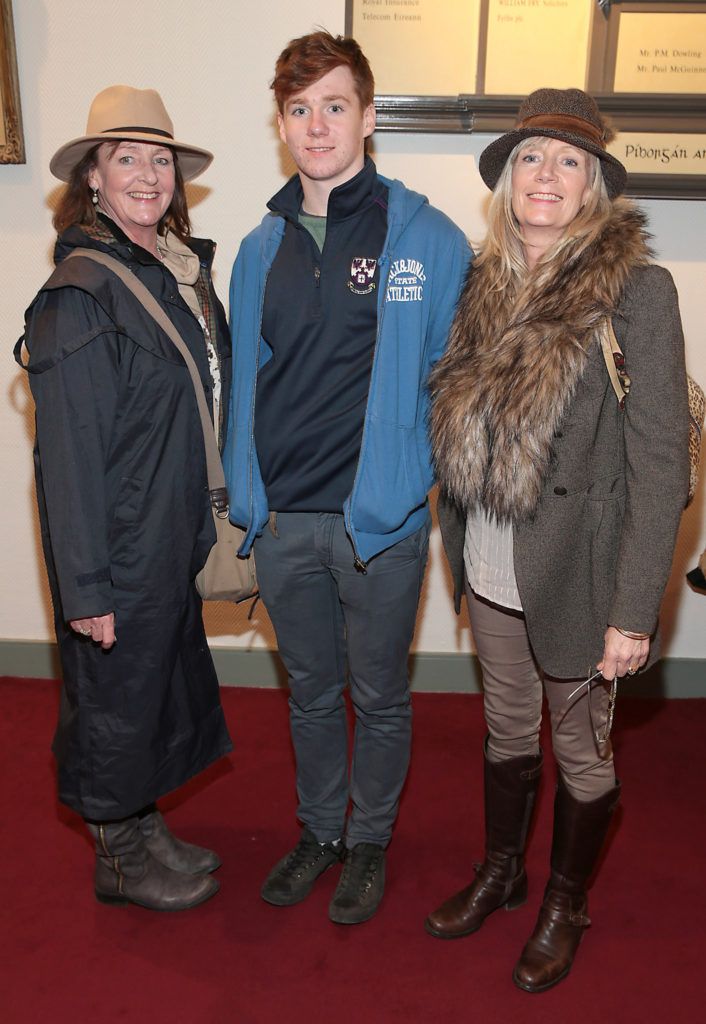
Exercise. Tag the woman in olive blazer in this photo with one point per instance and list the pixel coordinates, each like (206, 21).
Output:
(560, 506)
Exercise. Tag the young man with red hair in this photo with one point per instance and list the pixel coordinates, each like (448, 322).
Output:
(341, 302)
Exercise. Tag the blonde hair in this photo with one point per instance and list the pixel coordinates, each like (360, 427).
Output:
(504, 245)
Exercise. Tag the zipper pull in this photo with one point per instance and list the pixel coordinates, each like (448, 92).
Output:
(360, 566)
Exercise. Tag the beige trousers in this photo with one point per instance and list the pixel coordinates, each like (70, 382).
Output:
(513, 685)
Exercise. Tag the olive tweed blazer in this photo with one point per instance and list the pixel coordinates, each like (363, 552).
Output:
(598, 549)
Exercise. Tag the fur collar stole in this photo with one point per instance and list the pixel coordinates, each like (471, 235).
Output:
(512, 366)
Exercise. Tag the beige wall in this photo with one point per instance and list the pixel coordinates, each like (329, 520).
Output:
(212, 61)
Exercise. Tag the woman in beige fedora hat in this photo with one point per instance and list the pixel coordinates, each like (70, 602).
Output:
(560, 506)
(123, 497)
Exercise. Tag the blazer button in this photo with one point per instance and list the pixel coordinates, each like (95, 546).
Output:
(560, 490)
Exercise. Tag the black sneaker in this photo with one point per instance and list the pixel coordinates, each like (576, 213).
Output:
(292, 879)
(361, 887)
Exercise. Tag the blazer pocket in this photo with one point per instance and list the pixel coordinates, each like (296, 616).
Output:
(607, 514)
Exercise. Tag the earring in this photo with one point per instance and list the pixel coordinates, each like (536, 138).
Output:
(94, 197)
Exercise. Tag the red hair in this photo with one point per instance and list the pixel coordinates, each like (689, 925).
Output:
(307, 59)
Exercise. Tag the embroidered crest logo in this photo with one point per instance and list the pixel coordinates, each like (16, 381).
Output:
(406, 281)
(362, 274)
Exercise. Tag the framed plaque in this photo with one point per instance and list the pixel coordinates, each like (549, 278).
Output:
(465, 65)
(419, 47)
(655, 49)
(12, 147)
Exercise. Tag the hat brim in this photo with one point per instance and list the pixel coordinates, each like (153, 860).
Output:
(495, 156)
(192, 160)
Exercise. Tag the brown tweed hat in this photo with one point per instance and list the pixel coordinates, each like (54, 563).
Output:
(121, 112)
(567, 114)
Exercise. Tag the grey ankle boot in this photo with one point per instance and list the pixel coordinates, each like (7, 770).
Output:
(126, 872)
(172, 852)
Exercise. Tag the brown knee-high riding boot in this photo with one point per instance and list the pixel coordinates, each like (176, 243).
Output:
(126, 872)
(510, 791)
(580, 829)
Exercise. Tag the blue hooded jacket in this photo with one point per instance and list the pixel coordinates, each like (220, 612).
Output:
(424, 262)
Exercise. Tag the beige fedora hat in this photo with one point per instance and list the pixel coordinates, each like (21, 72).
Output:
(121, 112)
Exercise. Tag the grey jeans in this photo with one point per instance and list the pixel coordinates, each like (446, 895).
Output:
(512, 687)
(329, 618)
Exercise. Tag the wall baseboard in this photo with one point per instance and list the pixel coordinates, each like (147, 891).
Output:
(430, 673)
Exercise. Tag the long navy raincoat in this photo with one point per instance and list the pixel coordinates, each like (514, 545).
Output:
(126, 526)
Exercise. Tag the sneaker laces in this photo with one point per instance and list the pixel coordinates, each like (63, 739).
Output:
(306, 853)
(360, 868)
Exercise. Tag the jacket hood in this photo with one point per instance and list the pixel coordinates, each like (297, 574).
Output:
(402, 205)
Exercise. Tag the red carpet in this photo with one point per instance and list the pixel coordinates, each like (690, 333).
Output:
(235, 960)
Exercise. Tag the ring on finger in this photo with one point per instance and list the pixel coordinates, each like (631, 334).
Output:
(84, 632)
(631, 670)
